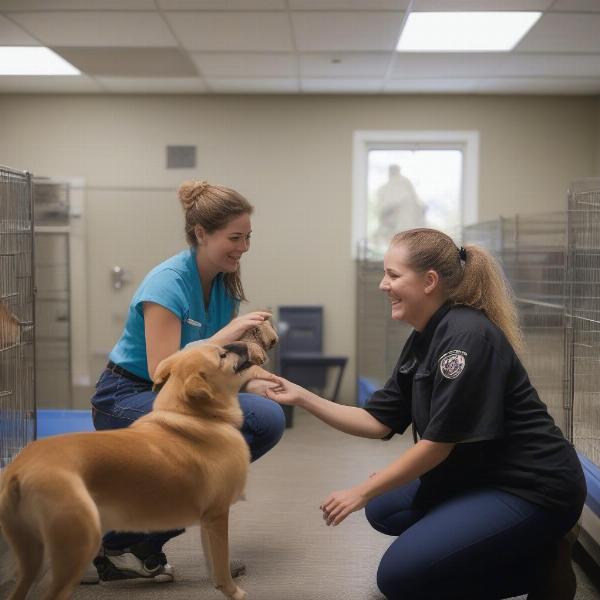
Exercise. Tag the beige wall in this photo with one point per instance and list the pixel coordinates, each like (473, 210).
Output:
(292, 156)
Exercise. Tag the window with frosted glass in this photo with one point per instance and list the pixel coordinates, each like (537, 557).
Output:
(412, 188)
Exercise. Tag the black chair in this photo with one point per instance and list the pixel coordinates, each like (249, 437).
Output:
(301, 357)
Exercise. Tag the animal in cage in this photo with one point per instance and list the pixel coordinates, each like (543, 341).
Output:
(184, 463)
(10, 330)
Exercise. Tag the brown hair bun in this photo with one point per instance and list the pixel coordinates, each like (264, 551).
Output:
(190, 191)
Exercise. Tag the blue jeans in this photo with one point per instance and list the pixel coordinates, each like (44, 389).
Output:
(118, 402)
(483, 544)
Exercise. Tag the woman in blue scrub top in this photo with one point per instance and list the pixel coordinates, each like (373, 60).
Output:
(483, 505)
(192, 296)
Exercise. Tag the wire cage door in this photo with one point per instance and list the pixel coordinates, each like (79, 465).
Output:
(583, 316)
(17, 348)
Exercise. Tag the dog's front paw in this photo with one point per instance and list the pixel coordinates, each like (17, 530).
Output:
(239, 594)
(234, 593)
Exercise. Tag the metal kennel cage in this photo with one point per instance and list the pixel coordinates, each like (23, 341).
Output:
(17, 333)
(582, 331)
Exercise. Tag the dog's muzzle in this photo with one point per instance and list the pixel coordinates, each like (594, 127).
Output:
(249, 354)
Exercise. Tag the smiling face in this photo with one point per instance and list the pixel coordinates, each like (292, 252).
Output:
(224, 247)
(411, 293)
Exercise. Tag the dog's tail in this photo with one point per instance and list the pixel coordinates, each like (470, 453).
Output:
(10, 494)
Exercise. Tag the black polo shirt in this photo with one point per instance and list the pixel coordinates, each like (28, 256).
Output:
(460, 381)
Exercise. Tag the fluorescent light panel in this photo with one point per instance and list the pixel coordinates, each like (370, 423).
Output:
(465, 31)
(33, 60)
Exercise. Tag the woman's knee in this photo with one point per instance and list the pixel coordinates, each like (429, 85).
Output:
(264, 423)
(403, 576)
(389, 517)
(376, 513)
(274, 422)
(398, 581)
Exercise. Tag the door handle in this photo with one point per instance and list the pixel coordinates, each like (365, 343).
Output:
(119, 277)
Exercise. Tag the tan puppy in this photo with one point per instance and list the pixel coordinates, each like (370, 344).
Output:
(184, 463)
(264, 335)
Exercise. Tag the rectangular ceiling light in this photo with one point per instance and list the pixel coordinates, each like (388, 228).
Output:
(33, 60)
(465, 31)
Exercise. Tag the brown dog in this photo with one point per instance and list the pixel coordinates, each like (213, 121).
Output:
(184, 463)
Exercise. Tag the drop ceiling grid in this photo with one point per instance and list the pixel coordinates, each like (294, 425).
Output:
(303, 46)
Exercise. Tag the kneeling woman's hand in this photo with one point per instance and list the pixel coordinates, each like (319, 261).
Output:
(259, 386)
(286, 392)
(338, 505)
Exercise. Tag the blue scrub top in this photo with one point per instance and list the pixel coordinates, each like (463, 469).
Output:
(176, 285)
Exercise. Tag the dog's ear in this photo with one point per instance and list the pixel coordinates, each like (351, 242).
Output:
(163, 371)
(196, 387)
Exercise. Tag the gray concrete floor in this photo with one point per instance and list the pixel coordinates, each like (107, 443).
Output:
(278, 532)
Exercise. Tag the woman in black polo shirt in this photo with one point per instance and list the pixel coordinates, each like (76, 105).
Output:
(482, 506)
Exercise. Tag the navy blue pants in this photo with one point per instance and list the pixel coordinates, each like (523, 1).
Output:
(118, 402)
(484, 544)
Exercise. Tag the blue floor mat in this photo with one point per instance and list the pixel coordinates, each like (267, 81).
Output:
(53, 422)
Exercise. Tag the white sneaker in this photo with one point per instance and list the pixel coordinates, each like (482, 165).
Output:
(119, 565)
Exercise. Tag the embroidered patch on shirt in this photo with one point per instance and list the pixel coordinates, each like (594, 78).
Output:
(452, 363)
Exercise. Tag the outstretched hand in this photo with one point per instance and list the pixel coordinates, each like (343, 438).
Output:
(338, 505)
(285, 392)
(260, 386)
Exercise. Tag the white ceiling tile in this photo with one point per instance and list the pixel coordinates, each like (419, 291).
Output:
(349, 4)
(576, 5)
(78, 28)
(554, 65)
(232, 64)
(12, 35)
(444, 65)
(345, 64)
(353, 31)
(124, 85)
(253, 86)
(341, 86)
(45, 5)
(267, 31)
(130, 62)
(562, 32)
(477, 5)
(49, 84)
(528, 85)
(222, 4)
(429, 86)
